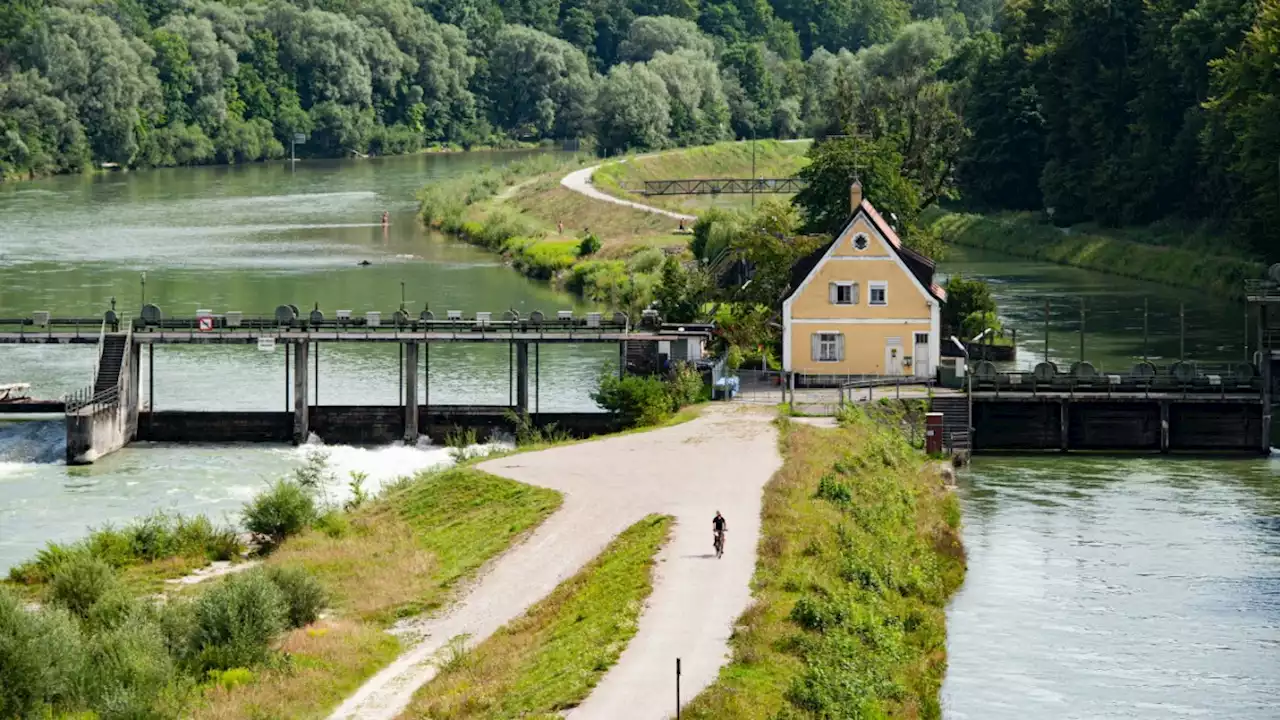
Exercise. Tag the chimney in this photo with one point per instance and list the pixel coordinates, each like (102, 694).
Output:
(855, 196)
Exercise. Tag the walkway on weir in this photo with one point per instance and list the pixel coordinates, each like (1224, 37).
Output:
(719, 461)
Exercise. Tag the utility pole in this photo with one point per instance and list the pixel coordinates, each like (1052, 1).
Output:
(144, 289)
(1046, 330)
(753, 162)
(1081, 329)
(1144, 329)
(1182, 332)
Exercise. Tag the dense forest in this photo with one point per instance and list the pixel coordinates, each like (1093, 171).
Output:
(176, 82)
(1117, 112)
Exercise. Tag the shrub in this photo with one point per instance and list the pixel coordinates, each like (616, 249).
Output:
(81, 582)
(303, 594)
(46, 563)
(39, 655)
(639, 400)
(235, 622)
(116, 606)
(685, 386)
(129, 674)
(284, 509)
(646, 261)
(590, 245)
(977, 321)
(231, 679)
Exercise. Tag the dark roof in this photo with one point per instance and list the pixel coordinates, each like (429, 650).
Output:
(920, 266)
(805, 265)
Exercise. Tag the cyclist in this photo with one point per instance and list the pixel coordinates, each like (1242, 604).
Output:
(719, 527)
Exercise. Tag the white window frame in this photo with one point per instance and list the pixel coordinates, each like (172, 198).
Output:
(829, 341)
(871, 292)
(853, 290)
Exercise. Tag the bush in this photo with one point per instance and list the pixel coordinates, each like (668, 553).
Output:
(590, 245)
(284, 509)
(46, 563)
(303, 594)
(113, 609)
(128, 674)
(646, 261)
(81, 582)
(685, 386)
(639, 400)
(235, 622)
(39, 656)
(978, 321)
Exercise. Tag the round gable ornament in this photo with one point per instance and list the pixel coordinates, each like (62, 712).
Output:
(860, 241)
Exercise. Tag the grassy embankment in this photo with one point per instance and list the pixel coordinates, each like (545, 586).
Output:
(550, 659)
(1163, 254)
(774, 159)
(859, 553)
(397, 556)
(402, 556)
(516, 211)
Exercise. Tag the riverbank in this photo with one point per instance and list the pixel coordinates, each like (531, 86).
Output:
(859, 554)
(1164, 257)
(525, 213)
(221, 650)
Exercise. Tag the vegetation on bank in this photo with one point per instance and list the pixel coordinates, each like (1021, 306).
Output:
(1205, 265)
(252, 644)
(773, 159)
(549, 660)
(859, 553)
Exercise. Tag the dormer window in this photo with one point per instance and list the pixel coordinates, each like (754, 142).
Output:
(860, 241)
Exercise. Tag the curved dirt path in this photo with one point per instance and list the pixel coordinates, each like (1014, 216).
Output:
(721, 460)
(579, 181)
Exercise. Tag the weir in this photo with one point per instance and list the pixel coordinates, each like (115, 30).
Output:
(106, 416)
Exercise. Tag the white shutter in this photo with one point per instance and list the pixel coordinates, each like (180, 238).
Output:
(840, 347)
(813, 346)
(853, 293)
(832, 297)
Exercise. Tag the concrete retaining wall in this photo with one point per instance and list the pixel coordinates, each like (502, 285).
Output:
(352, 425)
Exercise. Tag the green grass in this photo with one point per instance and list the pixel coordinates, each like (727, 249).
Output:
(1155, 254)
(773, 159)
(551, 658)
(859, 553)
(402, 555)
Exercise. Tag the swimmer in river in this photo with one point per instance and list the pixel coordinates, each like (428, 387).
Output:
(365, 263)
(386, 219)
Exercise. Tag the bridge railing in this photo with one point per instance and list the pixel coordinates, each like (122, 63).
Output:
(1208, 380)
(87, 402)
(88, 327)
(719, 186)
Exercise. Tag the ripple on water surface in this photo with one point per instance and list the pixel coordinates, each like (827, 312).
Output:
(1117, 588)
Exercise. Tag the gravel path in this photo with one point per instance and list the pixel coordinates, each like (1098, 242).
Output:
(579, 181)
(719, 461)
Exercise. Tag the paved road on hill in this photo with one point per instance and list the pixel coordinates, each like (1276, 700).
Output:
(579, 181)
(720, 461)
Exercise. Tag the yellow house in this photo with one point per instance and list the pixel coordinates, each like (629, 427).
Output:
(862, 305)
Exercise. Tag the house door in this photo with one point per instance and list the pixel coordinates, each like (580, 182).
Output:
(893, 356)
(921, 363)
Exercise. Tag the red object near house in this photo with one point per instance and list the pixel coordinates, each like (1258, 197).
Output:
(933, 433)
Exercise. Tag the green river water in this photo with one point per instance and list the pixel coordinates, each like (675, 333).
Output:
(1098, 587)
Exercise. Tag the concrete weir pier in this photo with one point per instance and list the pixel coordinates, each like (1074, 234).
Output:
(106, 415)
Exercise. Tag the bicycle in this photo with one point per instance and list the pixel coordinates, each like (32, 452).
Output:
(719, 543)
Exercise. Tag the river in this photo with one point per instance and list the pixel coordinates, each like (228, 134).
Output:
(1098, 587)
(249, 239)
(1114, 587)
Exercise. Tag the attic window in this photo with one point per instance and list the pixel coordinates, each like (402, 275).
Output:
(860, 241)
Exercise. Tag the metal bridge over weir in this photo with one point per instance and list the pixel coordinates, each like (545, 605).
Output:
(724, 186)
(107, 414)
